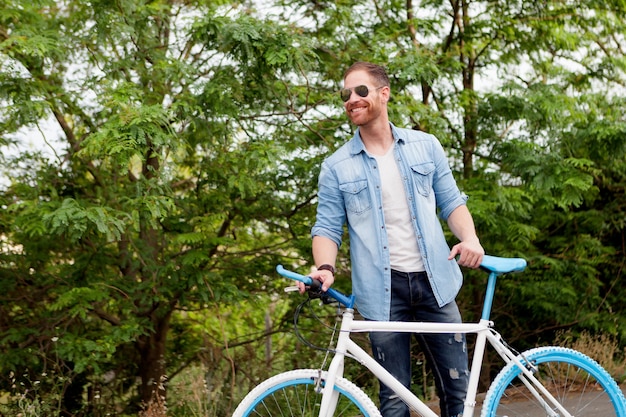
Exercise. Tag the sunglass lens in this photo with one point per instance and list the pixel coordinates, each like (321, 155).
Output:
(345, 94)
(361, 90)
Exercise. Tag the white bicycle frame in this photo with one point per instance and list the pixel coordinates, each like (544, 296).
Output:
(484, 332)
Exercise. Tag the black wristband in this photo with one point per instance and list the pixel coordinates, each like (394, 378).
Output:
(327, 267)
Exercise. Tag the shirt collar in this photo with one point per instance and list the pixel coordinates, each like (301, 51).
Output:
(357, 146)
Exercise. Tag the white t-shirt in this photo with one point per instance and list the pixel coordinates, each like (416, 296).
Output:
(403, 250)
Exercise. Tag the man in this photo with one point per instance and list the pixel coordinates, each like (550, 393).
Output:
(387, 185)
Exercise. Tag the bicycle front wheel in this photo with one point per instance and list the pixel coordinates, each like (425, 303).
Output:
(298, 393)
(578, 382)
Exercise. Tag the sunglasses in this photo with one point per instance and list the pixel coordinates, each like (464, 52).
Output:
(361, 90)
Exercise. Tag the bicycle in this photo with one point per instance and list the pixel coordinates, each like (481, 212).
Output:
(545, 381)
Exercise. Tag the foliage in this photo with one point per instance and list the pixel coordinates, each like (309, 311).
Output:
(143, 243)
(163, 197)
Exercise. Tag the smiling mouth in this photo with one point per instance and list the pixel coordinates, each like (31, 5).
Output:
(357, 109)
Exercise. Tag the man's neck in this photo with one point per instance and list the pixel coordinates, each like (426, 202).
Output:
(377, 137)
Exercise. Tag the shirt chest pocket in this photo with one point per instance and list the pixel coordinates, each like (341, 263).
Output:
(423, 177)
(356, 196)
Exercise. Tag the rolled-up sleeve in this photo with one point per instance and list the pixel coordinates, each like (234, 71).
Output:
(331, 214)
(448, 195)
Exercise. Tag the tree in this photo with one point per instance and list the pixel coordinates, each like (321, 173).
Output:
(168, 194)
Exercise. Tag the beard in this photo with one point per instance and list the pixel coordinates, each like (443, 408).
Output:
(364, 117)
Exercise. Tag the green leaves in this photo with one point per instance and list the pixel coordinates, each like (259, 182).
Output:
(75, 221)
(263, 44)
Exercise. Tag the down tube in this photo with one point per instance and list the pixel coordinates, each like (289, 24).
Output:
(382, 374)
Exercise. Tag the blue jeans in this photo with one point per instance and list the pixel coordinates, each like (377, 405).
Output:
(412, 299)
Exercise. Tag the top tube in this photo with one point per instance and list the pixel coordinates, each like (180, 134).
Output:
(492, 264)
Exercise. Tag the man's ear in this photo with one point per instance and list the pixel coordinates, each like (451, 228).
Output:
(386, 93)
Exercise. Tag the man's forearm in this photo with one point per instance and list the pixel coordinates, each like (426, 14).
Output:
(324, 251)
(462, 224)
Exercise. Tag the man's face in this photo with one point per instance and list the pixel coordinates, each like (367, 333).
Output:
(362, 110)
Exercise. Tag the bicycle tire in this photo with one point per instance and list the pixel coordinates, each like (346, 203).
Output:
(293, 393)
(577, 381)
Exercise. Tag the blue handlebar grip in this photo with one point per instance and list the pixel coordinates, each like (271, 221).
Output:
(346, 300)
(293, 275)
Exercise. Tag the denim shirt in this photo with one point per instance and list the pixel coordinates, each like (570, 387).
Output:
(350, 193)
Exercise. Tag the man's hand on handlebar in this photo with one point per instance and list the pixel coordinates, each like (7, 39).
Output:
(326, 278)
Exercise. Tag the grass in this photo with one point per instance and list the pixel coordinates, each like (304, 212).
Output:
(603, 349)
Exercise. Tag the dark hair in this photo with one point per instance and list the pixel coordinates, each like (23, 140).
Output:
(375, 71)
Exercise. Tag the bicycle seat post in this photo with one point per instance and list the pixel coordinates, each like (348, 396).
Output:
(489, 294)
